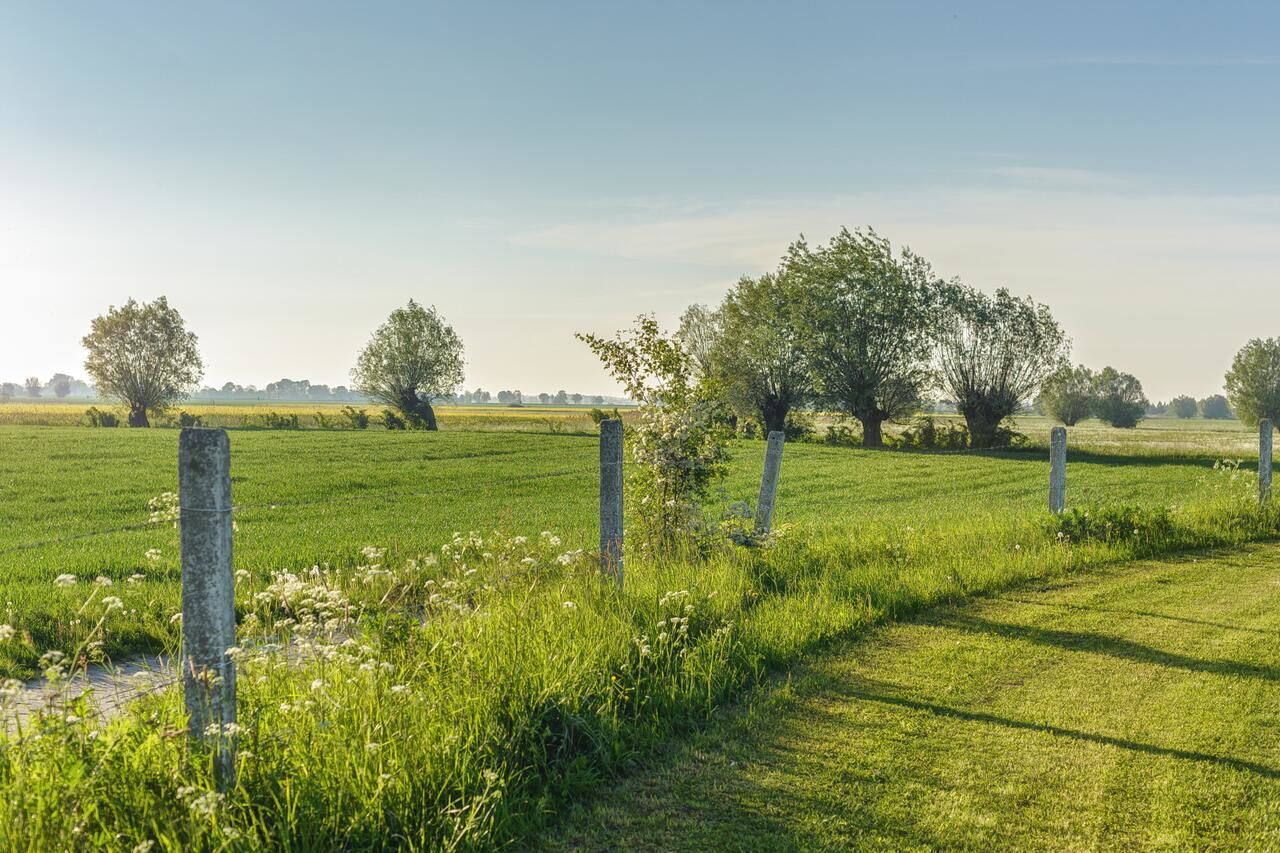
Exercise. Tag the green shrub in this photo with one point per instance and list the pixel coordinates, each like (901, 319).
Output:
(392, 421)
(98, 418)
(925, 434)
(357, 418)
(597, 415)
(839, 435)
(186, 419)
(274, 420)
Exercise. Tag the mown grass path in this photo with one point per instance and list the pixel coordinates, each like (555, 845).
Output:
(1136, 708)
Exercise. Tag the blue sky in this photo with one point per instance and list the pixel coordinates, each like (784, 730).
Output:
(287, 173)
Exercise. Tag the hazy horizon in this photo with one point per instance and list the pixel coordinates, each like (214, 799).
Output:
(288, 175)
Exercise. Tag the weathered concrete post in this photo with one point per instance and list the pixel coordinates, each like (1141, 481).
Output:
(208, 600)
(611, 498)
(769, 482)
(1264, 460)
(1057, 470)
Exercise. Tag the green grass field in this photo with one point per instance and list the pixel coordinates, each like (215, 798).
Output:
(498, 680)
(312, 497)
(1132, 709)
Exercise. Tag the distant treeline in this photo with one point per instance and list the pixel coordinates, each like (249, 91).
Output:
(62, 386)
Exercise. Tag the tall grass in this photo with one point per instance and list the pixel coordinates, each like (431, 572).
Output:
(458, 699)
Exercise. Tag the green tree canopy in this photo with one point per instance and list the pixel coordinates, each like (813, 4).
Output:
(993, 353)
(864, 318)
(60, 385)
(1215, 407)
(412, 358)
(758, 360)
(1067, 394)
(1119, 398)
(143, 355)
(1253, 382)
(698, 332)
(1183, 407)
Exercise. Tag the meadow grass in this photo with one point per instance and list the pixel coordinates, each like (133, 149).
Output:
(456, 692)
(1130, 709)
(317, 497)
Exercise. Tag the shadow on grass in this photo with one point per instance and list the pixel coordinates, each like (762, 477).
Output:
(1059, 731)
(1145, 614)
(1117, 647)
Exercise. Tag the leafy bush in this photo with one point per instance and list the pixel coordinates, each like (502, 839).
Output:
(357, 418)
(323, 421)
(678, 441)
(799, 426)
(1112, 524)
(186, 419)
(839, 435)
(274, 420)
(1118, 398)
(98, 418)
(925, 434)
(1067, 394)
(391, 420)
(597, 415)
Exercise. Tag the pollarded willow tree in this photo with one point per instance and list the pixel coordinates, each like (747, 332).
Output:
(757, 359)
(143, 355)
(412, 358)
(993, 352)
(865, 318)
(1253, 382)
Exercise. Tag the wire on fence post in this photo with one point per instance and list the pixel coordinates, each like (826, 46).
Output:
(769, 482)
(1264, 460)
(611, 498)
(1057, 470)
(208, 595)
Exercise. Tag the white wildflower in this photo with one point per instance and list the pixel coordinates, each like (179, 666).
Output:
(64, 580)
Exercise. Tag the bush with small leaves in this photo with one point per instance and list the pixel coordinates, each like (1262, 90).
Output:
(356, 418)
(98, 418)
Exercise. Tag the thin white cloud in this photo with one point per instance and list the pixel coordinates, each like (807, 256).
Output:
(1058, 176)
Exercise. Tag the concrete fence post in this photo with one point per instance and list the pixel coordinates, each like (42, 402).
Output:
(208, 595)
(1057, 470)
(611, 499)
(769, 482)
(1264, 460)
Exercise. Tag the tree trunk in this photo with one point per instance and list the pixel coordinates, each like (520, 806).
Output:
(774, 415)
(982, 427)
(417, 411)
(871, 433)
(138, 416)
(428, 415)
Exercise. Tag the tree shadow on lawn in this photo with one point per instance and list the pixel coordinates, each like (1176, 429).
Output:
(1061, 731)
(1146, 614)
(1117, 647)
(744, 785)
